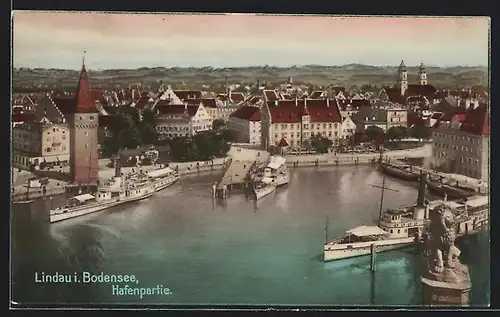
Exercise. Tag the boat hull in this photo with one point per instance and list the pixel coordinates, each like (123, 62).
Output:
(164, 183)
(86, 210)
(398, 173)
(281, 180)
(263, 192)
(452, 193)
(339, 252)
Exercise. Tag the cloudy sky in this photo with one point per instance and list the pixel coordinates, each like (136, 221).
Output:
(58, 40)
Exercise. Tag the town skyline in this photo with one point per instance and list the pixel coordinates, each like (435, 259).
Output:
(58, 40)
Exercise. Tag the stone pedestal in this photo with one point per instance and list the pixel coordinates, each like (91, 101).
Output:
(448, 288)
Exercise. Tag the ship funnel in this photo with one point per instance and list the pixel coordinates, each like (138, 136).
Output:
(421, 189)
(118, 167)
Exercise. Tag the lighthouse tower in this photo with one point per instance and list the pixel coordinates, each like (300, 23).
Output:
(422, 74)
(83, 128)
(403, 78)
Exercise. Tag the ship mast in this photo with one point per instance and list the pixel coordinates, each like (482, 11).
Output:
(326, 229)
(383, 189)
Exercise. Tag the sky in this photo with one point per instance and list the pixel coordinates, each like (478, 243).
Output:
(58, 40)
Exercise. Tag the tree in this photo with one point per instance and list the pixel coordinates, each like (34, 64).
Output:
(147, 128)
(374, 133)
(218, 125)
(306, 144)
(420, 132)
(320, 143)
(395, 133)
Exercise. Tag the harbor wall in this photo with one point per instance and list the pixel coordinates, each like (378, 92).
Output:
(290, 162)
(37, 193)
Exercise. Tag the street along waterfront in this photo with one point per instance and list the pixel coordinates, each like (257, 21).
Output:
(265, 253)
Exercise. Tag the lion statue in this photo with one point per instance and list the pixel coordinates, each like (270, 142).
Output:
(442, 230)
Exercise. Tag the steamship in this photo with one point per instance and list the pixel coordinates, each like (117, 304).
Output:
(277, 171)
(399, 228)
(396, 229)
(163, 178)
(119, 190)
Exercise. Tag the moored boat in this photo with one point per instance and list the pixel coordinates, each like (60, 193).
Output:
(163, 178)
(448, 190)
(403, 172)
(277, 171)
(115, 193)
(264, 188)
(358, 242)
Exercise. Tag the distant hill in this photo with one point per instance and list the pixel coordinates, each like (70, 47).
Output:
(314, 75)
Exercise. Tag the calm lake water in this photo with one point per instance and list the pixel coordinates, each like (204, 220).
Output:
(243, 253)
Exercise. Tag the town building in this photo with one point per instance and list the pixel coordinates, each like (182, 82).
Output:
(461, 143)
(39, 144)
(403, 90)
(247, 125)
(181, 120)
(296, 121)
(384, 118)
(348, 128)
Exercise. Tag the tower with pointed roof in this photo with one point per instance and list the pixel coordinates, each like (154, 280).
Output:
(422, 74)
(403, 78)
(83, 129)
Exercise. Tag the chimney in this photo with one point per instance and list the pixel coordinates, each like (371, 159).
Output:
(185, 106)
(328, 102)
(421, 189)
(305, 102)
(296, 102)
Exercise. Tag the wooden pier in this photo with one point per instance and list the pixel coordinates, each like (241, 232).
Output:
(237, 173)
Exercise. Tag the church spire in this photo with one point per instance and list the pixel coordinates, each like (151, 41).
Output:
(83, 98)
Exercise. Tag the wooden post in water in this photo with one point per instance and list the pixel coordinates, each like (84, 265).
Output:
(373, 257)
(214, 190)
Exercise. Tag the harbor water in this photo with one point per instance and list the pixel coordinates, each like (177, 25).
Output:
(237, 253)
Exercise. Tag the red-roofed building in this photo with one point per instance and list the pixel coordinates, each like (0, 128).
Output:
(461, 143)
(184, 95)
(271, 95)
(211, 105)
(246, 122)
(297, 120)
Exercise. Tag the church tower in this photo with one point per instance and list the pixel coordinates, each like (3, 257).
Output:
(422, 74)
(83, 127)
(403, 78)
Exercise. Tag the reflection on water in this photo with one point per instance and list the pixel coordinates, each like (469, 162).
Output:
(236, 251)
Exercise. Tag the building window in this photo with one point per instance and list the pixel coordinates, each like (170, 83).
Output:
(86, 145)
(86, 133)
(91, 118)
(54, 129)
